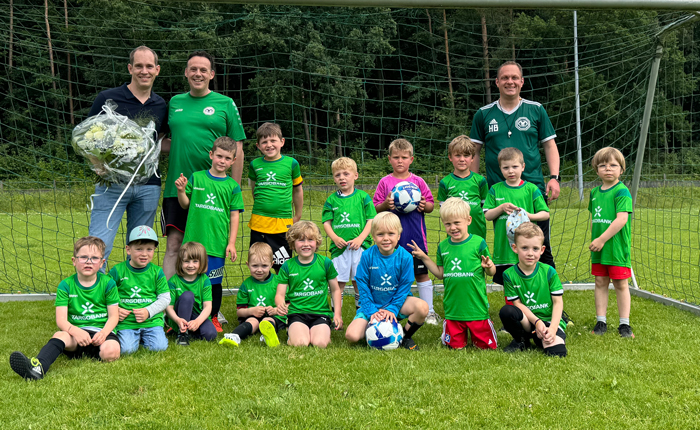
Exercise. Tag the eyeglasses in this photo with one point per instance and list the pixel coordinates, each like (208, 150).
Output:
(84, 259)
(608, 166)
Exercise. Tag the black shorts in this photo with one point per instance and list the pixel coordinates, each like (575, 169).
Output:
(310, 320)
(91, 351)
(419, 267)
(538, 341)
(279, 325)
(281, 251)
(498, 276)
(172, 215)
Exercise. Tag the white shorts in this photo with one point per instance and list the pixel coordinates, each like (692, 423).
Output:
(346, 264)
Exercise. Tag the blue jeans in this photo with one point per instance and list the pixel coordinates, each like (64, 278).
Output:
(152, 338)
(140, 203)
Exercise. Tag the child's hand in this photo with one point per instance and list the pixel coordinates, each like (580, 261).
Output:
(231, 249)
(182, 324)
(193, 325)
(257, 311)
(123, 313)
(338, 321)
(270, 311)
(181, 183)
(597, 245)
(80, 336)
(141, 315)
(421, 204)
(486, 262)
(416, 251)
(340, 243)
(550, 334)
(390, 202)
(540, 329)
(508, 208)
(99, 338)
(355, 244)
(282, 309)
(383, 314)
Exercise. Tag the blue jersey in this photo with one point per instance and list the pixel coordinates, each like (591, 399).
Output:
(384, 281)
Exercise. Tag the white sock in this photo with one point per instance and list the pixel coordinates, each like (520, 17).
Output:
(425, 290)
(601, 318)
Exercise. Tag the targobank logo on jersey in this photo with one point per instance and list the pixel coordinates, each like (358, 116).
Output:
(88, 313)
(493, 126)
(597, 211)
(597, 217)
(209, 110)
(270, 180)
(463, 195)
(87, 307)
(135, 292)
(456, 266)
(210, 199)
(261, 301)
(522, 124)
(209, 203)
(135, 297)
(530, 297)
(345, 218)
(308, 285)
(280, 257)
(386, 284)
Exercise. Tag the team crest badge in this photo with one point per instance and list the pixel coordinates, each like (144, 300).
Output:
(522, 124)
(210, 111)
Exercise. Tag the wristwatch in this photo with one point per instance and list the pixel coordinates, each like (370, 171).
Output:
(557, 177)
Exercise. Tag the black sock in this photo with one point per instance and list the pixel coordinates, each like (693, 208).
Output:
(243, 330)
(412, 328)
(216, 293)
(50, 352)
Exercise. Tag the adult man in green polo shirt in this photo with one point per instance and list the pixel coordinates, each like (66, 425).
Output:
(512, 121)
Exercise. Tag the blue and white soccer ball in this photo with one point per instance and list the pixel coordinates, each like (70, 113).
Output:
(384, 335)
(406, 196)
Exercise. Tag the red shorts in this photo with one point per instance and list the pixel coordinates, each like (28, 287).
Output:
(614, 272)
(454, 334)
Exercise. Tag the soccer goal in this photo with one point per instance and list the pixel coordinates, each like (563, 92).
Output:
(347, 81)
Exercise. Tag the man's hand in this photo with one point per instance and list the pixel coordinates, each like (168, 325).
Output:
(553, 189)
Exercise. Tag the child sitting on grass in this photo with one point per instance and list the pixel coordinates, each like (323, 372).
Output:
(87, 311)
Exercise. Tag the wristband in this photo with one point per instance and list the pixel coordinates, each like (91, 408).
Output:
(555, 177)
(538, 320)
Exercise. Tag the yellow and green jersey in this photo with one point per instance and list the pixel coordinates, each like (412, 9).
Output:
(274, 181)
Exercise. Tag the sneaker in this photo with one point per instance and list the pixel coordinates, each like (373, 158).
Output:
(269, 334)
(625, 330)
(567, 319)
(230, 339)
(600, 328)
(514, 346)
(217, 325)
(222, 319)
(433, 318)
(27, 368)
(183, 339)
(169, 331)
(357, 301)
(409, 344)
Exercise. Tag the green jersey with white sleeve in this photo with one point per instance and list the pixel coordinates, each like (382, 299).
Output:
(139, 288)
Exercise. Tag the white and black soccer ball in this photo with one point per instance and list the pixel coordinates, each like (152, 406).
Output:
(406, 196)
(384, 335)
(514, 220)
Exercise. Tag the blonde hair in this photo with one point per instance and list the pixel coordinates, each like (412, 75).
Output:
(344, 163)
(508, 154)
(225, 143)
(528, 230)
(268, 129)
(461, 145)
(89, 241)
(304, 230)
(608, 154)
(191, 251)
(260, 251)
(454, 208)
(386, 220)
(400, 145)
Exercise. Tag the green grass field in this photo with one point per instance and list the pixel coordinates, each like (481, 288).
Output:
(605, 382)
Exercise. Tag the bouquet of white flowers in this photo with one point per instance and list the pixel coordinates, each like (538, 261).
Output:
(119, 150)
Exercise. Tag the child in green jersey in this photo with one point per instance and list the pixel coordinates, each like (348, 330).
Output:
(536, 292)
(87, 311)
(143, 294)
(278, 196)
(304, 281)
(463, 260)
(347, 219)
(610, 205)
(215, 203)
(190, 296)
(255, 299)
(465, 184)
(506, 197)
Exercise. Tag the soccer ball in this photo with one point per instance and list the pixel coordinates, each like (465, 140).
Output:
(406, 196)
(514, 220)
(384, 335)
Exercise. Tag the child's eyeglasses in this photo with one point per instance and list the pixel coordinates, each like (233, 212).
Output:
(85, 259)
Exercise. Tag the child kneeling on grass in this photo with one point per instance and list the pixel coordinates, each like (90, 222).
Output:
(190, 296)
(87, 311)
(463, 260)
(536, 292)
(255, 299)
(304, 281)
(384, 279)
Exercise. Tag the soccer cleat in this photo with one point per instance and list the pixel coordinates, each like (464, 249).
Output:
(409, 343)
(514, 346)
(183, 339)
(625, 330)
(433, 318)
(600, 328)
(357, 301)
(268, 331)
(169, 330)
(230, 339)
(217, 325)
(567, 319)
(27, 368)
(222, 319)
